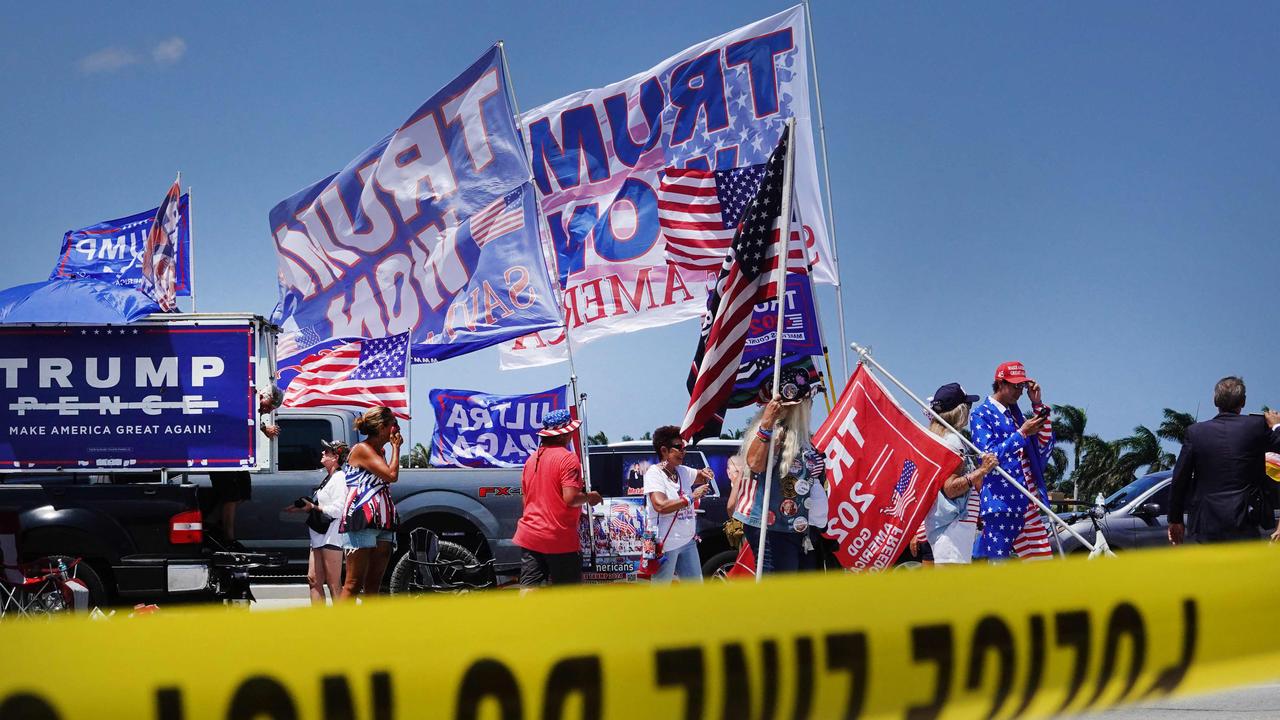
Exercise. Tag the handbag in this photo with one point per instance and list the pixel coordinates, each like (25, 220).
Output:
(318, 521)
(649, 566)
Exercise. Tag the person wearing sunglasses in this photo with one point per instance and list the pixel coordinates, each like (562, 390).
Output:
(671, 489)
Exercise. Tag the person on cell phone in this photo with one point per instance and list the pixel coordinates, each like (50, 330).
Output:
(1011, 525)
(370, 521)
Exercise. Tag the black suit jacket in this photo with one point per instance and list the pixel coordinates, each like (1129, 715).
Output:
(1220, 472)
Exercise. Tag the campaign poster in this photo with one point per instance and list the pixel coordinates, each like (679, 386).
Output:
(112, 250)
(127, 398)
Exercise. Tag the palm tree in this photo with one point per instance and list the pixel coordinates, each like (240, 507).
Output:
(1069, 427)
(598, 439)
(1099, 470)
(1174, 426)
(1056, 469)
(1143, 449)
(419, 457)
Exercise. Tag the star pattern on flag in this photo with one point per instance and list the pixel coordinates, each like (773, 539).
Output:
(382, 358)
(735, 188)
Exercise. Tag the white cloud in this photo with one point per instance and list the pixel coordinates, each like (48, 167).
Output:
(170, 51)
(107, 60)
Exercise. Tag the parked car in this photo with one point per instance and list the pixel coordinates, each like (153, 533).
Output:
(1135, 516)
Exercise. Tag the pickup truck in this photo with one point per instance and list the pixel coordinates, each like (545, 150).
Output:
(137, 541)
(473, 511)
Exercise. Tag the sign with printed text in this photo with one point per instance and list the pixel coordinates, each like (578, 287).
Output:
(884, 473)
(112, 250)
(598, 155)
(475, 429)
(432, 231)
(130, 398)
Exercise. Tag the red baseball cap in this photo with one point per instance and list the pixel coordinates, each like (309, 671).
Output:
(1012, 372)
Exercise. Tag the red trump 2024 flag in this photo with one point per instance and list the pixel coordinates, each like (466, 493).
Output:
(884, 472)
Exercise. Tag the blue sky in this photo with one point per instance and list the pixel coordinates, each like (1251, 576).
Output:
(1091, 188)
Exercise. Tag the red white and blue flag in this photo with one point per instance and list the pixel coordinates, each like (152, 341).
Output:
(159, 258)
(362, 373)
(904, 491)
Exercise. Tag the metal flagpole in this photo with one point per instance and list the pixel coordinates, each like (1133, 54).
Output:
(826, 169)
(573, 372)
(784, 242)
(191, 244)
(408, 390)
(826, 355)
(865, 356)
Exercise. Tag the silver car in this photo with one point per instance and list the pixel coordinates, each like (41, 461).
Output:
(1135, 516)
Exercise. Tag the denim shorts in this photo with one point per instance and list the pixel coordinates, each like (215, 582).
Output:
(369, 538)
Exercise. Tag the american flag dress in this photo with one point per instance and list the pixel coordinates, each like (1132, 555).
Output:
(369, 504)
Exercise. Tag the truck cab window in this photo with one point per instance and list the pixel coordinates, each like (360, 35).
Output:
(300, 442)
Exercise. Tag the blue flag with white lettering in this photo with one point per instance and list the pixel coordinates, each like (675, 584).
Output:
(433, 231)
(475, 429)
(112, 250)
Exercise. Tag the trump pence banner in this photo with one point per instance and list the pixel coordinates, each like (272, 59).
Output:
(598, 155)
(475, 429)
(112, 250)
(432, 231)
(884, 472)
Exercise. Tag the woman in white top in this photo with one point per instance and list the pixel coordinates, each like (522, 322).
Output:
(952, 524)
(670, 491)
(329, 499)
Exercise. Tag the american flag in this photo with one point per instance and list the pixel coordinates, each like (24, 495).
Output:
(295, 341)
(700, 210)
(746, 278)
(619, 521)
(363, 373)
(904, 492)
(502, 216)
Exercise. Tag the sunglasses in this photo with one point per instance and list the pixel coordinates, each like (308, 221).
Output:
(679, 447)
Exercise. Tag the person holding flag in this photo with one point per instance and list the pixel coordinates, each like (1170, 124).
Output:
(797, 469)
(1011, 524)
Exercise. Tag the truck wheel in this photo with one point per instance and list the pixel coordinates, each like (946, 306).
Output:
(85, 573)
(402, 575)
(718, 566)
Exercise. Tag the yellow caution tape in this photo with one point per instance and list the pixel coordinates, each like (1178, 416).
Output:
(1029, 640)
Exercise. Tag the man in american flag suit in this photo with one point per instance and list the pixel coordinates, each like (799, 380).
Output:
(1011, 523)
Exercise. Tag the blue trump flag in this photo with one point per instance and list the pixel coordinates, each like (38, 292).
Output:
(112, 250)
(432, 231)
(475, 429)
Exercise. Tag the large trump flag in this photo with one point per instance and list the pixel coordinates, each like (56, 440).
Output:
(431, 232)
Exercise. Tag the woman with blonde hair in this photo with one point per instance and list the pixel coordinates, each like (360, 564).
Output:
(952, 524)
(370, 521)
(797, 467)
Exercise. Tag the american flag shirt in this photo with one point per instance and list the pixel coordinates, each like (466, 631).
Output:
(1009, 517)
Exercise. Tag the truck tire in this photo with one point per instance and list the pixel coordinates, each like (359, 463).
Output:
(403, 572)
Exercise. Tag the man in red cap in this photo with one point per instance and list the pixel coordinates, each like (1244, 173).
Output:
(552, 488)
(1011, 523)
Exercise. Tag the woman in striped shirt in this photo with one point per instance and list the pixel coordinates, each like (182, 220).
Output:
(370, 520)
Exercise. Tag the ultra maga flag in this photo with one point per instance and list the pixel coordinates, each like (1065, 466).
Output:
(475, 429)
(884, 472)
(112, 250)
(432, 231)
(160, 257)
(598, 158)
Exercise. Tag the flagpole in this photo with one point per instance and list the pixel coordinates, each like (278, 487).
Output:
(826, 355)
(780, 277)
(865, 356)
(408, 390)
(564, 321)
(191, 243)
(826, 169)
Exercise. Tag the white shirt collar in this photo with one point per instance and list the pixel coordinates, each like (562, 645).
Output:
(996, 402)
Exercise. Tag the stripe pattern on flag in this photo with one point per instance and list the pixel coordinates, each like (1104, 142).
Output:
(364, 373)
(744, 280)
(699, 210)
(500, 217)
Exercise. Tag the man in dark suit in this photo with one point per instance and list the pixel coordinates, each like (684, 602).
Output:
(1220, 481)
